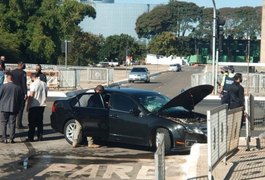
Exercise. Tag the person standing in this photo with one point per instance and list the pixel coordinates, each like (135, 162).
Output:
(2, 72)
(40, 74)
(20, 79)
(95, 100)
(236, 93)
(228, 79)
(35, 107)
(10, 101)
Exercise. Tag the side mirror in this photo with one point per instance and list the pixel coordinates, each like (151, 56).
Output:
(135, 111)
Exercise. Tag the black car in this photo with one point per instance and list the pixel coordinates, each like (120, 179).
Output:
(135, 116)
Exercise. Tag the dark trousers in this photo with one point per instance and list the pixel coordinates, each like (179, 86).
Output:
(35, 118)
(10, 119)
(20, 115)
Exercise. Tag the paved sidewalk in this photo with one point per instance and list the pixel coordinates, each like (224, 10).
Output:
(242, 165)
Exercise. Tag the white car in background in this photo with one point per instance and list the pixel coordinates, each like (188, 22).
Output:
(174, 67)
(139, 74)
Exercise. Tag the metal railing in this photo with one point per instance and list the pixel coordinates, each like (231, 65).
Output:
(160, 158)
(253, 83)
(223, 130)
(71, 77)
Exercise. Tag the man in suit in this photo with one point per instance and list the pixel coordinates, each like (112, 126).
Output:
(20, 79)
(10, 102)
(97, 101)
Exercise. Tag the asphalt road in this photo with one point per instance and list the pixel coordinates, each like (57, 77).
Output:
(54, 158)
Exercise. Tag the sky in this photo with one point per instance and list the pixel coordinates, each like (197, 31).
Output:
(205, 3)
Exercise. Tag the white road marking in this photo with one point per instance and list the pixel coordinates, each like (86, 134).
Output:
(110, 171)
(57, 168)
(90, 170)
(118, 170)
(146, 172)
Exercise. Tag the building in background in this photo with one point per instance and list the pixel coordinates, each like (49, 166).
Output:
(114, 18)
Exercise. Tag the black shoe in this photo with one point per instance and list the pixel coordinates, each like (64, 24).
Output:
(12, 141)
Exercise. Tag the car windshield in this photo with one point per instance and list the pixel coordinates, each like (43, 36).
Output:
(138, 70)
(152, 102)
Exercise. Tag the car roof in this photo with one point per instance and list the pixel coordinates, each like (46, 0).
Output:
(132, 91)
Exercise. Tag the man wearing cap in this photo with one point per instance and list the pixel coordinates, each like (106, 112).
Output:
(227, 81)
(20, 79)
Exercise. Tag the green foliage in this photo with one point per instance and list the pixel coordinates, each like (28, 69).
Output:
(184, 16)
(116, 47)
(40, 27)
(242, 22)
(178, 17)
(163, 44)
(152, 23)
(167, 44)
(85, 48)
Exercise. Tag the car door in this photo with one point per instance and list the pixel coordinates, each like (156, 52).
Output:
(126, 123)
(94, 119)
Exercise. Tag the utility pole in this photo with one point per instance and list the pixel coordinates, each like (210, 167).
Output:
(66, 51)
(213, 45)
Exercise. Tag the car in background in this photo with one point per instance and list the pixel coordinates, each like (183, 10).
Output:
(139, 74)
(174, 67)
(134, 116)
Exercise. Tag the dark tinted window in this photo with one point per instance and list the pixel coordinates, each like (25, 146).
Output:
(121, 102)
(139, 70)
(89, 100)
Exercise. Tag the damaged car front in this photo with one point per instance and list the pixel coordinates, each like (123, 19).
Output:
(186, 127)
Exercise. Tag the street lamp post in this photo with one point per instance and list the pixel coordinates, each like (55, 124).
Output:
(213, 45)
(66, 48)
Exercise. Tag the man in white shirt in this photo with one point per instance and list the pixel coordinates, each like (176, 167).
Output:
(36, 104)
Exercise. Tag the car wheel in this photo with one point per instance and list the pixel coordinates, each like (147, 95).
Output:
(69, 128)
(166, 138)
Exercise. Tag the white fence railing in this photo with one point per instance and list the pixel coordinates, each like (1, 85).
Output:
(253, 83)
(223, 129)
(70, 77)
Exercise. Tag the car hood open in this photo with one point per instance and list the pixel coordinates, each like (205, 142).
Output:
(189, 98)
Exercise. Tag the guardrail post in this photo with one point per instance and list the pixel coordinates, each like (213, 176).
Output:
(160, 158)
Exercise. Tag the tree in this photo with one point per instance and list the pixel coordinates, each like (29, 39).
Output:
(242, 22)
(163, 44)
(116, 47)
(152, 23)
(85, 48)
(40, 26)
(183, 16)
(204, 27)
(178, 17)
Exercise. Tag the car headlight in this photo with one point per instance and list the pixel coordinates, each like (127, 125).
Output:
(194, 129)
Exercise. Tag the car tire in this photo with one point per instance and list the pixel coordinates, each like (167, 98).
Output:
(69, 128)
(166, 138)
